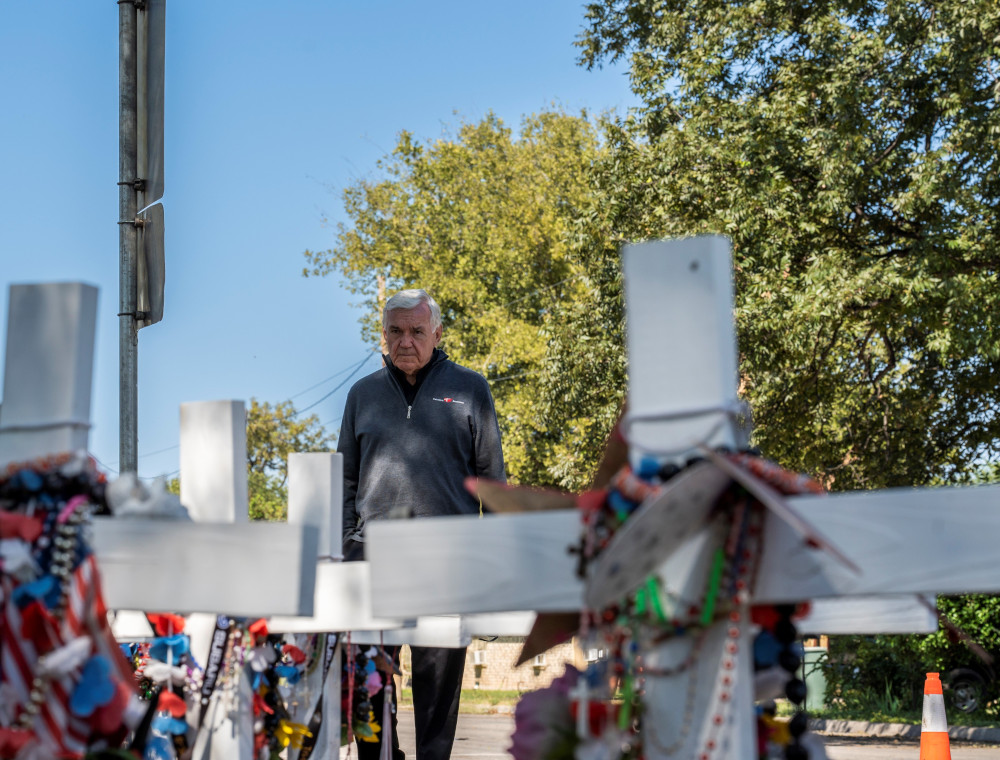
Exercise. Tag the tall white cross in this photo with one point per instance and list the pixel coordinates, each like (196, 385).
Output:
(881, 546)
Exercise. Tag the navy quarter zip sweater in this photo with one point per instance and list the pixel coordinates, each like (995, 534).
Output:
(412, 457)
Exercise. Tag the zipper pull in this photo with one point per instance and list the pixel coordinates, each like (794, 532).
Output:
(408, 411)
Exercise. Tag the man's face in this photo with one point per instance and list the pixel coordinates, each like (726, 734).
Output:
(410, 339)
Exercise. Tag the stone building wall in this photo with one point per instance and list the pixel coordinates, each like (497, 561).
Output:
(493, 667)
(494, 670)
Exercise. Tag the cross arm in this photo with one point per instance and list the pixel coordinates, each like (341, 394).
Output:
(184, 567)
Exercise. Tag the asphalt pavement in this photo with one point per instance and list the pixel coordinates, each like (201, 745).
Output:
(487, 737)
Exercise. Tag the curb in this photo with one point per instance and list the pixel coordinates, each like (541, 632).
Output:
(900, 730)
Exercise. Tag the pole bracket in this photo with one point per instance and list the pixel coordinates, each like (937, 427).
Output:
(138, 184)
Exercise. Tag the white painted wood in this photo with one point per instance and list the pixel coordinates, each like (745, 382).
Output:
(450, 565)
(430, 631)
(682, 707)
(316, 497)
(685, 575)
(499, 623)
(213, 455)
(891, 613)
(343, 602)
(48, 370)
(227, 733)
(213, 460)
(129, 625)
(681, 345)
(240, 570)
(450, 630)
(931, 541)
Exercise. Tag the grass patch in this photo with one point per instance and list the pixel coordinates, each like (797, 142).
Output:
(980, 719)
(474, 700)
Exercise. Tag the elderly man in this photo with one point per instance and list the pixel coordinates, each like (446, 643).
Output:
(411, 433)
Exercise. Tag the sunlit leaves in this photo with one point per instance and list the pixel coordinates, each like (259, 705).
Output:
(481, 220)
(849, 151)
(274, 432)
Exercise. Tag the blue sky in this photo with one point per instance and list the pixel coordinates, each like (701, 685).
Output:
(271, 110)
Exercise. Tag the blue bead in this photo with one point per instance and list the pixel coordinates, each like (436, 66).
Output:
(622, 506)
(765, 650)
(648, 467)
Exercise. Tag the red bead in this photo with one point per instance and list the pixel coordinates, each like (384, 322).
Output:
(731, 647)
(734, 632)
(717, 720)
(710, 744)
(724, 696)
(735, 616)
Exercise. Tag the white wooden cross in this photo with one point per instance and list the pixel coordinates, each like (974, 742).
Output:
(145, 564)
(343, 597)
(902, 542)
(214, 566)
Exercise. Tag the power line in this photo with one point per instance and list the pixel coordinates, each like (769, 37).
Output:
(340, 385)
(317, 385)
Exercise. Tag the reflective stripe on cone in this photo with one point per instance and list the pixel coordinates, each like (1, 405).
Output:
(934, 724)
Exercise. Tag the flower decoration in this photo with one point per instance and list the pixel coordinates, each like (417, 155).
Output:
(292, 734)
(288, 673)
(166, 624)
(170, 649)
(366, 671)
(543, 723)
(160, 672)
(171, 703)
(46, 589)
(167, 724)
(293, 653)
(95, 687)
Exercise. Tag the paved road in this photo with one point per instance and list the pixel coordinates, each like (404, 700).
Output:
(863, 748)
(486, 737)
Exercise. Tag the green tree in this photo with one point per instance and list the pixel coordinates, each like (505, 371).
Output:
(274, 432)
(849, 151)
(481, 220)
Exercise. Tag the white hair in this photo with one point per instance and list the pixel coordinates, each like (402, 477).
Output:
(411, 299)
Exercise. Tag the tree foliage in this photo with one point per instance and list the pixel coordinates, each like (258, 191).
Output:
(849, 151)
(482, 221)
(274, 432)
(861, 666)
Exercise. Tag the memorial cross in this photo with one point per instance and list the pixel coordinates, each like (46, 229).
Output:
(151, 564)
(145, 564)
(881, 545)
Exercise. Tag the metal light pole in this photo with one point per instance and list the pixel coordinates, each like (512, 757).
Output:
(141, 42)
(128, 183)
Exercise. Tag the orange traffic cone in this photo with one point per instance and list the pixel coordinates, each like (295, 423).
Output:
(934, 725)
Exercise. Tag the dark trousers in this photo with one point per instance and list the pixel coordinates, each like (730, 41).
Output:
(437, 687)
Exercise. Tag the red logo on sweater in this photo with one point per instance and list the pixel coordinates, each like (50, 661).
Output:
(449, 400)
